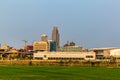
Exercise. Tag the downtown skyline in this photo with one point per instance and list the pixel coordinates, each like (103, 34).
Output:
(87, 23)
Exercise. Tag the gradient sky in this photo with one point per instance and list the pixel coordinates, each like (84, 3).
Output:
(90, 23)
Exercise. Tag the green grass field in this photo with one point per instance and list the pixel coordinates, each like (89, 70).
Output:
(58, 73)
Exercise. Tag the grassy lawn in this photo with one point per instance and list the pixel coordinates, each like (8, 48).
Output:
(58, 73)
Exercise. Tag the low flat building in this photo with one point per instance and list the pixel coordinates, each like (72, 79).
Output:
(102, 53)
(64, 56)
(115, 53)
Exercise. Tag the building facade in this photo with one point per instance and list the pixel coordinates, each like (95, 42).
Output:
(70, 49)
(41, 46)
(44, 37)
(28, 47)
(64, 56)
(56, 36)
(5, 48)
(52, 45)
(102, 53)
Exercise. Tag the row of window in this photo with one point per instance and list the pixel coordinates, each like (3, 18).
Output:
(61, 58)
(54, 58)
(89, 56)
(39, 58)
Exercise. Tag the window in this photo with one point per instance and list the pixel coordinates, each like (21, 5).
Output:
(89, 56)
(39, 58)
(45, 56)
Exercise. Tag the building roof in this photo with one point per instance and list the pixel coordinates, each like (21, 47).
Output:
(104, 48)
(43, 35)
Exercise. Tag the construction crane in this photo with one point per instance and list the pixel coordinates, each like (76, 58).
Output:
(25, 42)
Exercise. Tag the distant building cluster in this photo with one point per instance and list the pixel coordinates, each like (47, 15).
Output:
(44, 44)
(48, 45)
(46, 49)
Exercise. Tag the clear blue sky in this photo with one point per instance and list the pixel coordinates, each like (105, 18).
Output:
(91, 23)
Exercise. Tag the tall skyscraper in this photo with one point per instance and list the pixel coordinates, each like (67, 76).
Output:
(56, 36)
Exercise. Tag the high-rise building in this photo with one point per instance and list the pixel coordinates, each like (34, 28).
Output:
(52, 45)
(56, 36)
(44, 37)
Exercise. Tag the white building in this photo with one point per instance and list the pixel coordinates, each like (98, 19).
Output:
(64, 55)
(115, 53)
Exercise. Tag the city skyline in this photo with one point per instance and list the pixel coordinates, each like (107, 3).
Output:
(88, 23)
